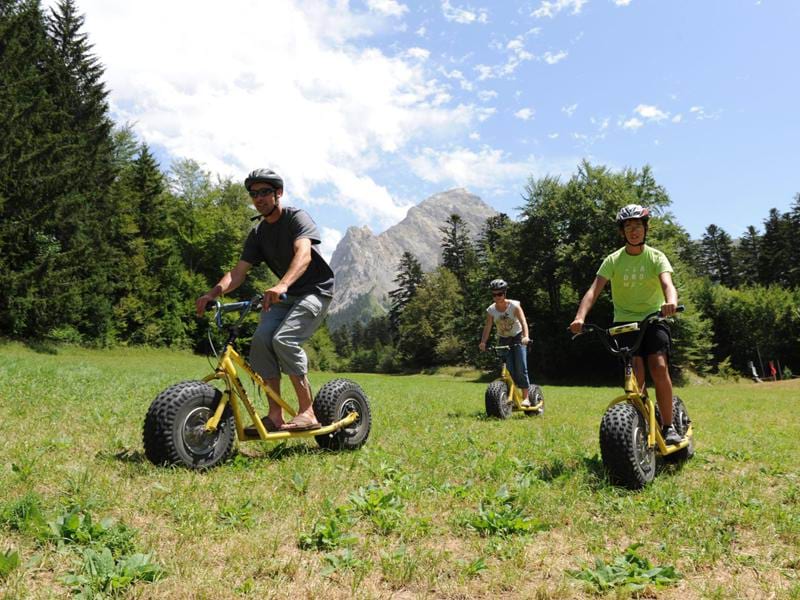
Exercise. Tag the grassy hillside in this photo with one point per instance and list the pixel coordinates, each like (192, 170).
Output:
(441, 502)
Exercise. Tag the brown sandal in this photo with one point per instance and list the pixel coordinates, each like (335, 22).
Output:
(301, 423)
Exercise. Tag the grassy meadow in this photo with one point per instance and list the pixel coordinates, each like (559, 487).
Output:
(440, 503)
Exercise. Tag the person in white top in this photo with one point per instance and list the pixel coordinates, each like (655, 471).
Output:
(512, 330)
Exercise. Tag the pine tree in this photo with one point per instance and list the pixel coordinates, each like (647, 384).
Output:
(716, 255)
(776, 249)
(57, 169)
(458, 253)
(748, 257)
(409, 277)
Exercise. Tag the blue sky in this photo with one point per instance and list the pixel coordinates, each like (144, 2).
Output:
(368, 107)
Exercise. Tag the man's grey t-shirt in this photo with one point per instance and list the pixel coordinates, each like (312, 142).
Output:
(273, 243)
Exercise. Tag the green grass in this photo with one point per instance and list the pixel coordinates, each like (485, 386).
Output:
(441, 502)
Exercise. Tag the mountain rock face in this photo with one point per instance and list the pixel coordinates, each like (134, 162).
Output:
(366, 264)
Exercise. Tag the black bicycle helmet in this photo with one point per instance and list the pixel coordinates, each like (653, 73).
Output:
(264, 176)
(632, 211)
(498, 285)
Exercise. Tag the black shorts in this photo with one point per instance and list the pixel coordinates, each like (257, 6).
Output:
(657, 339)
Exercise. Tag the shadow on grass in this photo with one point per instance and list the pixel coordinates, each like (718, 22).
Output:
(43, 346)
(477, 414)
(129, 456)
(596, 474)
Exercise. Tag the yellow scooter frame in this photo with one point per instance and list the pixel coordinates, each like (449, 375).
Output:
(516, 394)
(235, 392)
(645, 405)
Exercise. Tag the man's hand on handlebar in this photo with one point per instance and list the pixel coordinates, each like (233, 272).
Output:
(482, 346)
(525, 341)
(202, 303)
(273, 295)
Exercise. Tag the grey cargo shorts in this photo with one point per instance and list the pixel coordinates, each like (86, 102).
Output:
(276, 344)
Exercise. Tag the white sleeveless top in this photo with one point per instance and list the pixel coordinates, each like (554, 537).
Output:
(508, 324)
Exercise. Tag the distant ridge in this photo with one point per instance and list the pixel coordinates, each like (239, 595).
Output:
(365, 264)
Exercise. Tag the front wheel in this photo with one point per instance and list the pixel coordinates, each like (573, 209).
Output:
(174, 430)
(498, 404)
(623, 447)
(334, 401)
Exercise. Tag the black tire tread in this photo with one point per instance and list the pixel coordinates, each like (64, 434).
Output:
(617, 447)
(496, 399)
(157, 432)
(681, 427)
(532, 393)
(327, 406)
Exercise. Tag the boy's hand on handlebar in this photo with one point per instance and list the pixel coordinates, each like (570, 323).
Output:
(668, 309)
(576, 326)
(525, 341)
(273, 295)
(482, 346)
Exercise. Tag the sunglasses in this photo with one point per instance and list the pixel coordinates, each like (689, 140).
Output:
(261, 193)
(498, 293)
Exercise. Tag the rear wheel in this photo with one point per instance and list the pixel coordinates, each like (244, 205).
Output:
(334, 401)
(174, 430)
(623, 447)
(535, 396)
(498, 404)
(681, 421)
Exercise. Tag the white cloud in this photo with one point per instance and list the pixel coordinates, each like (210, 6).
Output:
(421, 31)
(550, 8)
(677, 118)
(310, 99)
(569, 110)
(525, 114)
(464, 15)
(390, 8)
(552, 59)
(330, 239)
(651, 113)
(632, 123)
(622, 2)
(457, 75)
(475, 136)
(553, 136)
(418, 53)
(701, 115)
(517, 54)
(468, 168)
(487, 95)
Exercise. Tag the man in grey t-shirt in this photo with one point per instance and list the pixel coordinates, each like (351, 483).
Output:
(286, 238)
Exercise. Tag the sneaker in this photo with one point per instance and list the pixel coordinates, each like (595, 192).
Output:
(526, 403)
(671, 436)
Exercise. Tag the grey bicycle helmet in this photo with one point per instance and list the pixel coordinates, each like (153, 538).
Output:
(632, 211)
(498, 285)
(264, 176)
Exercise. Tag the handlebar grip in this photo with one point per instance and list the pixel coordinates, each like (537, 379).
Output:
(680, 308)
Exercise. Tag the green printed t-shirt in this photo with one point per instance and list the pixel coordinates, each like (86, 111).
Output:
(635, 284)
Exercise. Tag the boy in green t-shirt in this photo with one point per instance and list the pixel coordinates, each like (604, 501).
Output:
(641, 284)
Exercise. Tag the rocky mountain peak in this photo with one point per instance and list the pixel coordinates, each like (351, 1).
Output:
(366, 264)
